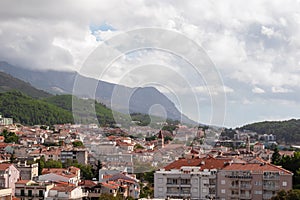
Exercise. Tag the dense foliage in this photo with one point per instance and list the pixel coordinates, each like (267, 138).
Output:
(290, 195)
(26, 110)
(290, 163)
(285, 131)
(84, 110)
(9, 137)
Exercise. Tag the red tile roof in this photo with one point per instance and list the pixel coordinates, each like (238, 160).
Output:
(4, 166)
(22, 181)
(256, 167)
(204, 163)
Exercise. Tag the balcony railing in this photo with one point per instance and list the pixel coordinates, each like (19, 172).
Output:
(271, 187)
(239, 176)
(247, 186)
(244, 196)
(271, 177)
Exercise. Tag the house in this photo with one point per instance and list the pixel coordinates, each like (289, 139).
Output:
(65, 192)
(70, 175)
(127, 185)
(255, 181)
(31, 190)
(9, 175)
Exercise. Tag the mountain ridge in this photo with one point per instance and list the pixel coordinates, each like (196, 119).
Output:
(62, 82)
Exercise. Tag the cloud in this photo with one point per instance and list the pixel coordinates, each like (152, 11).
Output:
(252, 51)
(258, 90)
(280, 90)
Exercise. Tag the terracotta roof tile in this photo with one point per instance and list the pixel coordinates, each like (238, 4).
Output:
(204, 163)
(255, 167)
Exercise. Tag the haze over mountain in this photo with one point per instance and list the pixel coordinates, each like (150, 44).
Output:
(62, 82)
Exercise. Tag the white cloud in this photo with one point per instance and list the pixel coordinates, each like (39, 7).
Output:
(251, 50)
(258, 90)
(280, 90)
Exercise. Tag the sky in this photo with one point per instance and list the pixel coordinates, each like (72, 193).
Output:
(254, 47)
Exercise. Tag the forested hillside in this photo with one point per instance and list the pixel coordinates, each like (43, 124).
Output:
(285, 131)
(26, 110)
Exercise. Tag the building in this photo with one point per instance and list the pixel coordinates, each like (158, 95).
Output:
(76, 154)
(9, 175)
(28, 171)
(31, 190)
(160, 140)
(257, 181)
(5, 121)
(70, 175)
(65, 192)
(6, 194)
(188, 178)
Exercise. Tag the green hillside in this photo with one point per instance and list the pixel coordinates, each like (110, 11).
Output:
(285, 131)
(8, 83)
(26, 110)
(83, 109)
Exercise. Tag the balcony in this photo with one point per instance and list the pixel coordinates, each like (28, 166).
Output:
(271, 187)
(246, 187)
(244, 196)
(235, 195)
(267, 196)
(275, 177)
(239, 176)
(234, 187)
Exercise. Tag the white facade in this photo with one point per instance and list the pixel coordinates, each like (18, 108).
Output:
(186, 182)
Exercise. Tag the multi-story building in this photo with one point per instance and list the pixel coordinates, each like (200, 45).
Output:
(9, 175)
(188, 178)
(28, 171)
(75, 154)
(257, 181)
(5, 121)
(31, 190)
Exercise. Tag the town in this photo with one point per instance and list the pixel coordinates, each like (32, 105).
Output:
(73, 161)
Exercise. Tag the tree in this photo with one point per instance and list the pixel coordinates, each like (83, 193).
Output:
(77, 144)
(290, 195)
(276, 156)
(9, 137)
(53, 164)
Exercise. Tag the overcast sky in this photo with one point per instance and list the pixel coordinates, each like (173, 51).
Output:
(255, 46)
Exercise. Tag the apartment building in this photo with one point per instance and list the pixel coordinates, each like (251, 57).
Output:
(188, 178)
(9, 175)
(79, 154)
(31, 190)
(27, 171)
(257, 181)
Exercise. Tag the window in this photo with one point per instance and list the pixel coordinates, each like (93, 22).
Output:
(223, 182)
(30, 193)
(284, 183)
(160, 180)
(22, 193)
(160, 189)
(257, 192)
(223, 191)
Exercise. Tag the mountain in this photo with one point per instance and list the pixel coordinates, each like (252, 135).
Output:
(62, 82)
(84, 111)
(285, 131)
(27, 110)
(7, 83)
